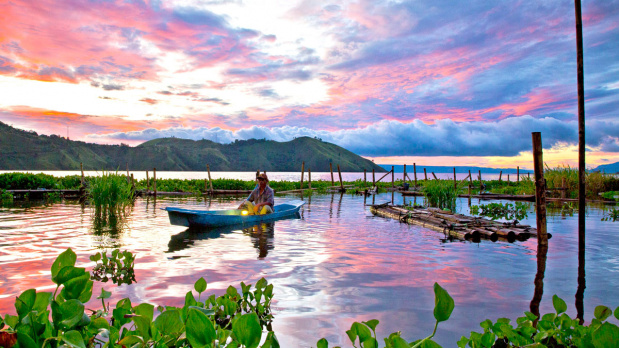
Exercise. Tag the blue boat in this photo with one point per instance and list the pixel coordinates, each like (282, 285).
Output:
(215, 218)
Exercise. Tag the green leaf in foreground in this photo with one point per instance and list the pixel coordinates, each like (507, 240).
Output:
(247, 330)
(169, 322)
(559, 304)
(73, 339)
(443, 303)
(602, 312)
(322, 343)
(606, 336)
(200, 330)
(200, 285)
(67, 258)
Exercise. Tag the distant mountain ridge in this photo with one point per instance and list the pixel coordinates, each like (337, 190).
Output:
(459, 169)
(25, 150)
(608, 168)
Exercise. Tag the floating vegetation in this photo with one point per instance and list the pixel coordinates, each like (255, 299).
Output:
(611, 215)
(495, 211)
(6, 198)
(238, 318)
(440, 194)
(118, 267)
(110, 195)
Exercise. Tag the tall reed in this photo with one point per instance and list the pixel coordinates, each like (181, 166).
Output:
(440, 193)
(110, 194)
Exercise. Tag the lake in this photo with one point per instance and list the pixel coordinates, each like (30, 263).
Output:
(334, 265)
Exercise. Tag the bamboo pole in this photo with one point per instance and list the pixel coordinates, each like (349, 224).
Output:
(434, 175)
(302, 173)
(147, 182)
(373, 177)
(339, 172)
(540, 185)
(365, 176)
(392, 176)
(82, 169)
(309, 179)
(415, 173)
(155, 181)
(331, 168)
(517, 174)
(425, 174)
(500, 175)
(481, 184)
(382, 177)
(210, 181)
(470, 183)
(404, 175)
(455, 182)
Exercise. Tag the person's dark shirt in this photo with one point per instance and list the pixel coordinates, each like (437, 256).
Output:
(268, 196)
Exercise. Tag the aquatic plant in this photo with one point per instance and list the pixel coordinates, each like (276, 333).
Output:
(507, 211)
(237, 319)
(109, 194)
(6, 198)
(549, 330)
(118, 267)
(440, 193)
(614, 195)
(611, 215)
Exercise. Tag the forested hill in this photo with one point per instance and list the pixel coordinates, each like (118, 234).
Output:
(25, 150)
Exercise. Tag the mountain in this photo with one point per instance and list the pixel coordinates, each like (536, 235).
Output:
(26, 150)
(608, 168)
(459, 169)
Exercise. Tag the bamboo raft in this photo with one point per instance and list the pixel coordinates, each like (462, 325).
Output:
(458, 226)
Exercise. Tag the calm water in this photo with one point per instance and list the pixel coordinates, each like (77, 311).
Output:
(289, 176)
(335, 265)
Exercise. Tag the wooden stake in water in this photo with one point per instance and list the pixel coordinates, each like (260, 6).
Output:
(434, 175)
(404, 175)
(302, 173)
(331, 169)
(155, 181)
(365, 176)
(82, 169)
(208, 169)
(147, 182)
(128, 172)
(455, 182)
(415, 173)
(309, 178)
(518, 174)
(470, 183)
(425, 174)
(373, 178)
(481, 184)
(340, 174)
(540, 186)
(392, 176)
(500, 175)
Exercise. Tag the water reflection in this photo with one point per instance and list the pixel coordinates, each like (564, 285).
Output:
(262, 236)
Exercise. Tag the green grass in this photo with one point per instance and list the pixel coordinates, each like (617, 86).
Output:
(110, 194)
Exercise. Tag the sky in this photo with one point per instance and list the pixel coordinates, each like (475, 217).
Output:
(439, 82)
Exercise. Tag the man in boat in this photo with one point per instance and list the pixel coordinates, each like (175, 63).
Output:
(261, 199)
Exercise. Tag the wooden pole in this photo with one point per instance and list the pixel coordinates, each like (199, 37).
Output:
(302, 173)
(455, 182)
(128, 172)
(365, 176)
(518, 174)
(434, 175)
(481, 185)
(132, 182)
(500, 175)
(392, 176)
(210, 181)
(470, 183)
(529, 175)
(147, 182)
(563, 187)
(415, 172)
(82, 169)
(425, 174)
(404, 175)
(205, 186)
(581, 164)
(508, 179)
(540, 184)
(155, 181)
(309, 179)
(331, 168)
(373, 178)
(339, 172)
